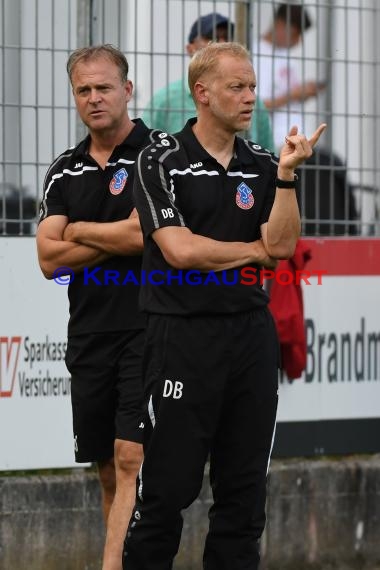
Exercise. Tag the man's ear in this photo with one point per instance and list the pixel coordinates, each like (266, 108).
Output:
(128, 89)
(201, 92)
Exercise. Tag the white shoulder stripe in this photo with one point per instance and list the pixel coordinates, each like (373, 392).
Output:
(60, 157)
(196, 173)
(60, 175)
(242, 174)
(122, 161)
(76, 172)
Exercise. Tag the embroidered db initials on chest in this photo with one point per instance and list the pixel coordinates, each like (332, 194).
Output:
(118, 181)
(244, 198)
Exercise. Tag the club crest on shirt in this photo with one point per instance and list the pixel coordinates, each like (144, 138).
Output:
(244, 198)
(118, 181)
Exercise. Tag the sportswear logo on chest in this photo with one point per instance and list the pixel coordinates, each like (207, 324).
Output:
(118, 181)
(244, 198)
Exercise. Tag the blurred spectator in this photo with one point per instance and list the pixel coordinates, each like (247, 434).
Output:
(278, 81)
(173, 105)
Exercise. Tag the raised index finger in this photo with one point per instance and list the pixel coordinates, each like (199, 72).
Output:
(315, 136)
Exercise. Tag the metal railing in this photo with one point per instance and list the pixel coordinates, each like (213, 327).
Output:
(339, 190)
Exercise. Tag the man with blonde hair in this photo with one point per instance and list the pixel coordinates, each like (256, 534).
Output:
(172, 105)
(214, 210)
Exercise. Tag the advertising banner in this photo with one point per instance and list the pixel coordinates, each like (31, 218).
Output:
(334, 408)
(35, 408)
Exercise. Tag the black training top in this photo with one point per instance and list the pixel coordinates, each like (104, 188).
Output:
(179, 184)
(75, 186)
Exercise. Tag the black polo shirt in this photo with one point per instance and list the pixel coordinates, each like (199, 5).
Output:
(75, 186)
(179, 184)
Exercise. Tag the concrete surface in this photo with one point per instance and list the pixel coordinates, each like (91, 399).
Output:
(321, 514)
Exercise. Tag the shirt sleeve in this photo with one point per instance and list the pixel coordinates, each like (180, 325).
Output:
(154, 187)
(52, 203)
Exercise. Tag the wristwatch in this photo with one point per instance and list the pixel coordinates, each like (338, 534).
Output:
(287, 183)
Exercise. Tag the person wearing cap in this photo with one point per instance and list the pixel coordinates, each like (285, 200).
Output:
(173, 105)
(278, 80)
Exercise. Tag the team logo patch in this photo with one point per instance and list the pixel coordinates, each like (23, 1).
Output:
(118, 181)
(244, 198)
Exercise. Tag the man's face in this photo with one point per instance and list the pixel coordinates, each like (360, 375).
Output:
(221, 35)
(286, 36)
(230, 92)
(101, 97)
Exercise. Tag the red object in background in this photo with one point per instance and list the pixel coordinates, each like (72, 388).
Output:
(286, 306)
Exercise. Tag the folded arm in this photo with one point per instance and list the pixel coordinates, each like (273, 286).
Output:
(184, 250)
(54, 251)
(115, 238)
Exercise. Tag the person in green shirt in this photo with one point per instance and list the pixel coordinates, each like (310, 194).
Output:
(172, 105)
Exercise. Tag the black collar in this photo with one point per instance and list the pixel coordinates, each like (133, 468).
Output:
(135, 139)
(197, 152)
(242, 154)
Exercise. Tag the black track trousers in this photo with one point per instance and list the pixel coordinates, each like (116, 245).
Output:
(211, 383)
